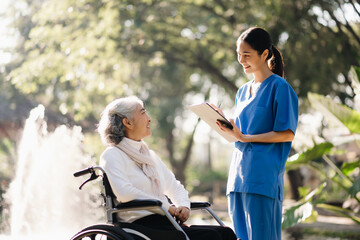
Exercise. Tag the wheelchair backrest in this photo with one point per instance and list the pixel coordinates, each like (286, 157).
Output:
(109, 194)
(108, 191)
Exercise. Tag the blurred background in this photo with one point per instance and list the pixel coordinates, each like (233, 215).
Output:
(66, 60)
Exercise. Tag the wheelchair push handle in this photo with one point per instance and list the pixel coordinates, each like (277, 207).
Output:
(89, 170)
(84, 171)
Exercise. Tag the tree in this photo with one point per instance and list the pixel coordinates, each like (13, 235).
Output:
(71, 63)
(316, 49)
(202, 34)
(71, 44)
(76, 56)
(166, 105)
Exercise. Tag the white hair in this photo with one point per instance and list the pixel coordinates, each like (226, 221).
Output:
(111, 128)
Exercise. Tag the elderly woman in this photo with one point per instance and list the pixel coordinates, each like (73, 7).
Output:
(136, 172)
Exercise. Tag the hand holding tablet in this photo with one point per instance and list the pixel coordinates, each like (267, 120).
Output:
(225, 123)
(212, 115)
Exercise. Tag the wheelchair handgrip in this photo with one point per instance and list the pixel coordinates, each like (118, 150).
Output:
(195, 205)
(83, 172)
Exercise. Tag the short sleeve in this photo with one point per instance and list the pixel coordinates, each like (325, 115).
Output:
(285, 109)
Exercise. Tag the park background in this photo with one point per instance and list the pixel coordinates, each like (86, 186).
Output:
(68, 59)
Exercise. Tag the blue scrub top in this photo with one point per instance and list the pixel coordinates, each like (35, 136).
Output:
(259, 167)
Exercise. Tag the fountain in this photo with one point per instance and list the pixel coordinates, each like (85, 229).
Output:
(44, 196)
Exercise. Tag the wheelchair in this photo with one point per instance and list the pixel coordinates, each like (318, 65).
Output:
(117, 230)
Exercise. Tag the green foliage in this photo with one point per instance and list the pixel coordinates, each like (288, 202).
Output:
(348, 168)
(72, 63)
(302, 211)
(335, 111)
(203, 180)
(355, 187)
(76, 56)
(346, 178)
(309, 155)
(7, 158)
(79, 54)
(357, 71)
(355, 79)
(341, 211)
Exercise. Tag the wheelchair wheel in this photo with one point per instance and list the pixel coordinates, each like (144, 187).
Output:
(96, 234)
(102, 232)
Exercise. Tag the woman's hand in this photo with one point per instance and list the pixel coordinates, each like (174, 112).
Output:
(268, 137)
(217, 109)
(182, 214)
(172, 210)
(235, 131)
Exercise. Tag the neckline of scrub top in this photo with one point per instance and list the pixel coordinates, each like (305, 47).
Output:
(254, 87)
(262, 84)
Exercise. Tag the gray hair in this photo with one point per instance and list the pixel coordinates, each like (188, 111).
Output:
(111, 127)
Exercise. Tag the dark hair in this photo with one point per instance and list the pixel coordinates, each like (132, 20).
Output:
(260, 40)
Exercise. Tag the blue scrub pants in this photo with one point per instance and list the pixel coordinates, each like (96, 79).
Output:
(255, 217)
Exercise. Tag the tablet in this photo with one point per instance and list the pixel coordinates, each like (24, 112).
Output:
(208, 114)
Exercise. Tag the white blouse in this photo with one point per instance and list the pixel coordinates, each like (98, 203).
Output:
(128, 182)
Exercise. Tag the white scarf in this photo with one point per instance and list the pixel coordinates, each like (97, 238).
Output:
(146, 163)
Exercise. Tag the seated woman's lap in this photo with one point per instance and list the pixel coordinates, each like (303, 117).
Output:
(225, 233)
(195, 232)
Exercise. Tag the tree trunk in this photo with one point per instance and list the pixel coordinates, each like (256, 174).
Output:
(296, 181)
(179, 166)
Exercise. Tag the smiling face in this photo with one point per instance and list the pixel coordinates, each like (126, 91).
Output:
(250, 59)
(139, 126)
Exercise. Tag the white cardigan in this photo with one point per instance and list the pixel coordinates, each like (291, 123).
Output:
(128, 182)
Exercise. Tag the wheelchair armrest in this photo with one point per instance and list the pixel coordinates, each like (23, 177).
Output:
(154, 203)
(206, 206)
(197, 205)
(139, 203)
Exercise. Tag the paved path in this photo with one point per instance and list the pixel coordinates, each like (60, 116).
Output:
(340, 228)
